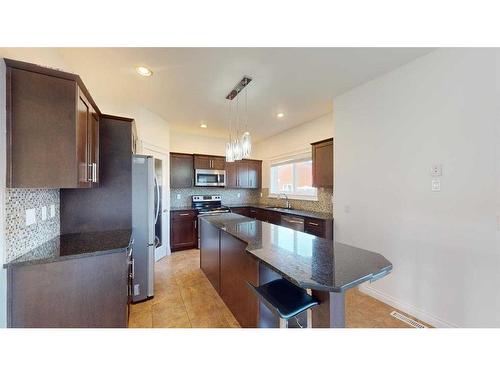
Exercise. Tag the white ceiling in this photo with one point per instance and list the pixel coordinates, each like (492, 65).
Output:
(189, 85)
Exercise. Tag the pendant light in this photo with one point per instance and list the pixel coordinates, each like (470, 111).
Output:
(246, 140)
(239, 143)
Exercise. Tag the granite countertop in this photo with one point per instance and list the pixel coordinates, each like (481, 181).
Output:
(75, 245)
(291, 211)
(308, 261)
(309, 214)
(181, 208)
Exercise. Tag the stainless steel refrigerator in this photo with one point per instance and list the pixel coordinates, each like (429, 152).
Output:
(145, 209)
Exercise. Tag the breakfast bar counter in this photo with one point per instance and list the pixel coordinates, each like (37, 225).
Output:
(325, 267)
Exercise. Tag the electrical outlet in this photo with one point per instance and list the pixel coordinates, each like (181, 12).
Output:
(30, 216)
(238, 195)
(261, 194)
(436, 184)
(52, 210)
(44, 213)
(178, 196)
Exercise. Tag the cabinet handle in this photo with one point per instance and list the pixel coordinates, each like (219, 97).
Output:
(313, 224)
(184, 214)
(90, 172)
(195, 224)
(132, 275)
(94, 170)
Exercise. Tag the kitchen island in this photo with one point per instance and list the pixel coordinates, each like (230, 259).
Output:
(236, 250)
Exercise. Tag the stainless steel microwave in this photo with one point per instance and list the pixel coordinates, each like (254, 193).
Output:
(209, 177)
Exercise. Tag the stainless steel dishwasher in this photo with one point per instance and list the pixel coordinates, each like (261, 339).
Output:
(293, 222)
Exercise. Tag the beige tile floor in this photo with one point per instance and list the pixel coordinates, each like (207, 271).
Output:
(185, 298)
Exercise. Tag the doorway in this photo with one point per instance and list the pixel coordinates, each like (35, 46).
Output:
(162, 226)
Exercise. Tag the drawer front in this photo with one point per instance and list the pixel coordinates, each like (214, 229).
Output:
(274, 217)
(245, 211)
(183, 215)
(315, 227)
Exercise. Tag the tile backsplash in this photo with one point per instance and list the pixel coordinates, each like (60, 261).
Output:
(323, 204)
(229, 196)
(21, 238)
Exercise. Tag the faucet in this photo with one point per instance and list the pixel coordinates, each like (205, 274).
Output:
(288, 205)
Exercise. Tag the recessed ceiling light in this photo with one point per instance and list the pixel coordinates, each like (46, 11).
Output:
(246, 133)
(280, 115)
(204, 126)
(143, 71)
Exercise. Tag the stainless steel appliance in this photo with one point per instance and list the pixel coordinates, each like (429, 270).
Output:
(294, 222)
(210, 177)
(145, 210)
(208, 204)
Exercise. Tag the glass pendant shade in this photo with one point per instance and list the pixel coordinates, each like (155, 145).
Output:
(229, 152)
(237, 149)
(246, 145)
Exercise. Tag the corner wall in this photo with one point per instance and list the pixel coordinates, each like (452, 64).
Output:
(442, 108)
(3, 172)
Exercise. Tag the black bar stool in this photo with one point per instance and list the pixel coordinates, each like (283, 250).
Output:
(284, 299)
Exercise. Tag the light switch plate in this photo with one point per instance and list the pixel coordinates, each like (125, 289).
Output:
(44, 213)
(436, 184)
(52, 210)
(436, 170)
(30, 216)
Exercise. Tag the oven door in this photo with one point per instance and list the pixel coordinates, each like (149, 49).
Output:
(209, 177)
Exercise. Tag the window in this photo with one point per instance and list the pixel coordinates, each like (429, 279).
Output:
(293, 178)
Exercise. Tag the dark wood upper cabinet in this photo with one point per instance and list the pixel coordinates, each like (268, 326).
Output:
(254, 174)
(244, 174)
(322, 159)
(52, 129)
(209, 162)
(181, 170)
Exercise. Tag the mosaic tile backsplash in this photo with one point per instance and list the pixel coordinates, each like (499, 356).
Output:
(229, 196)
(323, 204)
(21, 238)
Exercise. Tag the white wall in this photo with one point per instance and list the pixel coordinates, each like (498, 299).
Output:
(294, 140)
(196, 144)
(442, 108)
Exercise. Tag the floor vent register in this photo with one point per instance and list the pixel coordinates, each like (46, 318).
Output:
(407, 320)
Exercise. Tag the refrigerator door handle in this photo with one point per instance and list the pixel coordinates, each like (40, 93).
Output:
(157, 210)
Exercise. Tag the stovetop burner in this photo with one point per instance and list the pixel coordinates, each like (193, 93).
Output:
(208, 204)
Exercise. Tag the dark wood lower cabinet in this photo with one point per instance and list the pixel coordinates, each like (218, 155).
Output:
(183, 230)
(88, 292)
(210, 253)
(237, 268)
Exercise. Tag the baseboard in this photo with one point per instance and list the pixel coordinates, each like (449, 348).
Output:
(160, 253)
(406, 308)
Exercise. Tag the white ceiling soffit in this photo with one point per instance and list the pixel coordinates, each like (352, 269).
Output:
(189, 85)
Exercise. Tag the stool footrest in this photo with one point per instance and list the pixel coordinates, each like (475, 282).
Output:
(285, 298)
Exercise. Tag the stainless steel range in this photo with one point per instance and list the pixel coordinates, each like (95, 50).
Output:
(208, 204)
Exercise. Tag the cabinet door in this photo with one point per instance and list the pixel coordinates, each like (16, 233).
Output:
(261, 215)
(93, 144)
(231, 175)
(242, 166)
(183, 230)
(202, 162)
(181, 170)
(322, 158)
(82, 137)
(254, 174)
(210, 253)
(218, 163)
(245, 211)
(236, 269)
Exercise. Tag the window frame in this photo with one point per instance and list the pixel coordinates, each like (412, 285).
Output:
(292, 159)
